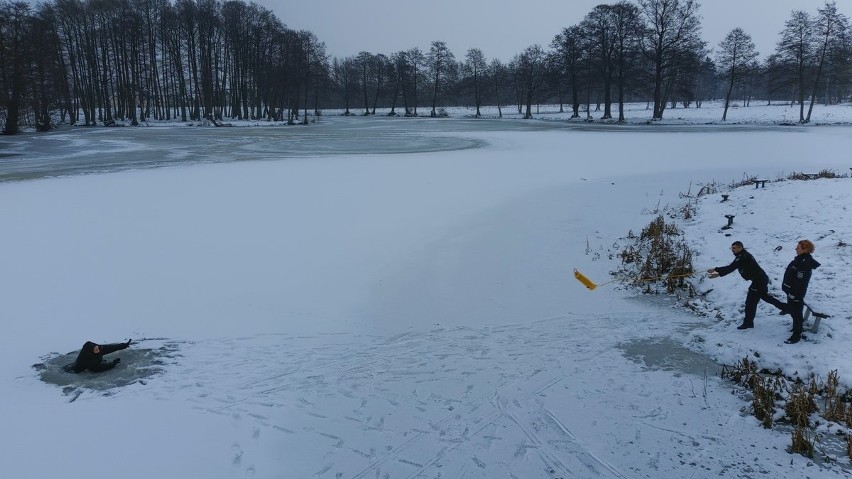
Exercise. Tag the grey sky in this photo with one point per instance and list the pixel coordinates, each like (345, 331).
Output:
(502, 29)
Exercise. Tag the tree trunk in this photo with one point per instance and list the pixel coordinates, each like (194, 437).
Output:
(728, 96)
(435, 91)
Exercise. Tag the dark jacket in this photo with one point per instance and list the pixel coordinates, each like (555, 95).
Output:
(88, 359)
(745, 263)
(798, 274)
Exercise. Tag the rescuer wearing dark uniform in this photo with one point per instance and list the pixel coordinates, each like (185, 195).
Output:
(796, 279)
(745, 263)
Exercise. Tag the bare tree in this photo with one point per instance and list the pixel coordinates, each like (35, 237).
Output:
(345, 75)
(416, 60)
(671, 34)
(570, 46)
(598, 26)
(364, 60)
(627, 35)
(318, 59)
(498, 75)
(707, 81)
(736, 53)
(796, 50)
(400, 80)
(830, 25)
(440, 60)
(531, 68)
(474, 67)
(14, 56)
(380, 69)
(45, 71)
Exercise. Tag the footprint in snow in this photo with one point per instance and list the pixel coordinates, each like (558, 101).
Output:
(238, 454)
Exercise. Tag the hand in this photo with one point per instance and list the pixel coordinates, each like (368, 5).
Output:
(712, 274)
(116, 360)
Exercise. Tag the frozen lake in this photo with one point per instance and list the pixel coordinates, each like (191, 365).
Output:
(393, 298)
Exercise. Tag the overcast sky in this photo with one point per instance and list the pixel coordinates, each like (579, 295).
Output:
(502, 28)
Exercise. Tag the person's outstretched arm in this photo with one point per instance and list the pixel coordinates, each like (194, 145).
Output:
(723, 270)
(111, 348)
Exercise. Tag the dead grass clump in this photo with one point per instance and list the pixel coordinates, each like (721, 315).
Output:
(800, 405)
(813, 176)
(708, 189)
(629, 255)
(687, 211)
(803, 442)
(849, 416)
(742, 372)
(813, 386)
(833, 406)
(849, 446)
(659, 255)
(763, 400)
(765, 389)
(747, 180)
(659, 228)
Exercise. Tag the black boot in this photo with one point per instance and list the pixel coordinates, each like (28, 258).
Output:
(795, 338)
(746, 326)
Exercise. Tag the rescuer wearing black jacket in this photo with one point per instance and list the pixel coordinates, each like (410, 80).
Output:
(745, 263)
(796, 278)
(91, 357)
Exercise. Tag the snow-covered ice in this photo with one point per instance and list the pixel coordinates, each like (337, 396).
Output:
(411, 313)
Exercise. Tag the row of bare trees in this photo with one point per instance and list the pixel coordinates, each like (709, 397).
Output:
(97, 62)
(811, 60)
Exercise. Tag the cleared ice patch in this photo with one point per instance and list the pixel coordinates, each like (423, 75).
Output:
(667, 355)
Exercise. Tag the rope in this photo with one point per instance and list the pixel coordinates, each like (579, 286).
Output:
(685, 275)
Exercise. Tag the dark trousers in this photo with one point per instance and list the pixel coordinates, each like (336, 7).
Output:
(797, 306)
(756, 292)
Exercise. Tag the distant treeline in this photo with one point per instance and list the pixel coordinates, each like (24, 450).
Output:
(95, 62)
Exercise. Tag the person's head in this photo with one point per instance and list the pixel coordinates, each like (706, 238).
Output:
(736, 247)
(96, 349)
(804, 246)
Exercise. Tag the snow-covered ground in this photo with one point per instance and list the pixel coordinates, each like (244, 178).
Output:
(758, 112)
(410, 314)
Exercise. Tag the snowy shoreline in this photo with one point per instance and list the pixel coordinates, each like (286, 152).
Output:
(758, 112)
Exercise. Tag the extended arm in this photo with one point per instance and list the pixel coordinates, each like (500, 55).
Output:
(723, 270)
(111, 348)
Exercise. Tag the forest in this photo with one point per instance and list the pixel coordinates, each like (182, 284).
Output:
(100, 63)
